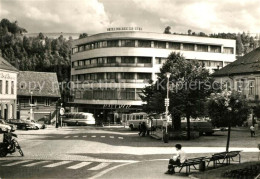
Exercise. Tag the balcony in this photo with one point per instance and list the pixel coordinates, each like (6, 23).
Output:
(114, 65)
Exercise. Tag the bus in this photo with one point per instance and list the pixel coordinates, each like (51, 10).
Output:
(78, 119)
(133, 119)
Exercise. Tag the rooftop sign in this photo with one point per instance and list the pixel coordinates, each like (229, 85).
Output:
(124, 29)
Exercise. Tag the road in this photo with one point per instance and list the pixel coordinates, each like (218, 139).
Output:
(99, 152)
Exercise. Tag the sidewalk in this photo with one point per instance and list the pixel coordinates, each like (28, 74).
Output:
(153, 169)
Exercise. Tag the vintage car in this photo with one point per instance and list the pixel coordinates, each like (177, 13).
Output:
(22, 124)
(13, 127)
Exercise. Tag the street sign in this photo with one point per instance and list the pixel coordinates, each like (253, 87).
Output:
(62, 111)
(167, 102)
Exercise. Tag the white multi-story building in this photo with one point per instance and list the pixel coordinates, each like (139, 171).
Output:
(110, 69)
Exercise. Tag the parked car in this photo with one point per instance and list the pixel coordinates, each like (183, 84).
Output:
(37, 124)
(13, 127)
(22, 124)
(4, 127)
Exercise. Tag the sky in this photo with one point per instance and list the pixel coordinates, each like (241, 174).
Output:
(95, 16)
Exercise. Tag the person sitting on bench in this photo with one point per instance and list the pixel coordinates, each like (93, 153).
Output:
(176, 159)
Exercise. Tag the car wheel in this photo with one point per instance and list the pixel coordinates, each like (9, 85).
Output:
(36, 128)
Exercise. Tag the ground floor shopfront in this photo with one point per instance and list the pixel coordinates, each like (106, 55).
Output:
(106, 113)
(8, 109)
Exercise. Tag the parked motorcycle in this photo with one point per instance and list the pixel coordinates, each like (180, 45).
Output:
(9, 144)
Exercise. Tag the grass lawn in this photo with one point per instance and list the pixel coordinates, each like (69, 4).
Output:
(218, 172)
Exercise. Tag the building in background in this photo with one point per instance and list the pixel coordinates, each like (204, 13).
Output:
(110, 69)
(243, 75)
(8, 97)
(37, 95)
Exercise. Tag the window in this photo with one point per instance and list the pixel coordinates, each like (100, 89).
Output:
(111, 75)
(112, 43)
(75, 50)
(144, 60)
(104, 44)
(240, 86)
(127, 59)
(144, 75)
(159, 60)
(81, 77)
(251, 88)
(87, 47)
(144, 43)
(188, 47)
(93, 61)
(129, 76)
(87, 76)
(87, 62)
(6, 87)
(128, 93)
(174, 45)
(101, 61)
(81, 63)
(75, 64)
(47, 102)
(1, 86)
(202, 48)
(12, 87)
(100, 76)
(127, 43)
(111, 59)
(74, 78)
(81, 48)
(93, 76)
(158, 44)
(215, 49)
(228, 50)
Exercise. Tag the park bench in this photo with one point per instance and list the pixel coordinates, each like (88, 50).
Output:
(223, 158)
(190, 162)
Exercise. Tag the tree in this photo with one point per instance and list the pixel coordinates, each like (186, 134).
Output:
(239, 45)
(190, 85)
(228, 109)
(83, 35)
(189, 32)
(167, 30)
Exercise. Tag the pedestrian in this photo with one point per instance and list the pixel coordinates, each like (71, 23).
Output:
(177, 159)
(139, 128)
(252, 130)
(143, 129)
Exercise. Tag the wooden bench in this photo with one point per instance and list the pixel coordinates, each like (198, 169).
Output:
(223, 158)
(190, 162)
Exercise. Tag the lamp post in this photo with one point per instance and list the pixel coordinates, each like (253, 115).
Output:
(167, 103)
(31, 110)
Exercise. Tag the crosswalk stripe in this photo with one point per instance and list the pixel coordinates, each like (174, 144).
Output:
(16, 163)
(111, 137)
(120, 138)
(67, 137)
(79, 165)
(100, 166)
(103, 136)
(93, 136)
(84, 136)
(75, 136)
(58, 164)
(36, 163)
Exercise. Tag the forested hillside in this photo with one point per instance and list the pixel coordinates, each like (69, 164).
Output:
(35, 53)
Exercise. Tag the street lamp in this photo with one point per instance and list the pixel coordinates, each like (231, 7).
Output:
(167, 103)
(31, 110)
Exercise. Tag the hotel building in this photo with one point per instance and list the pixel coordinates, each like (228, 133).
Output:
(110, 69)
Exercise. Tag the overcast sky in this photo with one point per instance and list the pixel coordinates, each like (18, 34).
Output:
(95, 16)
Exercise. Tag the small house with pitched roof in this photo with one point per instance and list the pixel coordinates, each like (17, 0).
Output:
(243, 75)
(8, 98)
(37, 94)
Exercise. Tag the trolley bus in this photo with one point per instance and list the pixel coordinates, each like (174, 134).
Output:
(79, 119)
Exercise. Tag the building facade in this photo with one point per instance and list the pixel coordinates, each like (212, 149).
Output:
(243, 75)
(37, 95)
(110, 69)
(8, 95)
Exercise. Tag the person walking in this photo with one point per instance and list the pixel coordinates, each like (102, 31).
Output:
(252, 130)
(177, 159)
